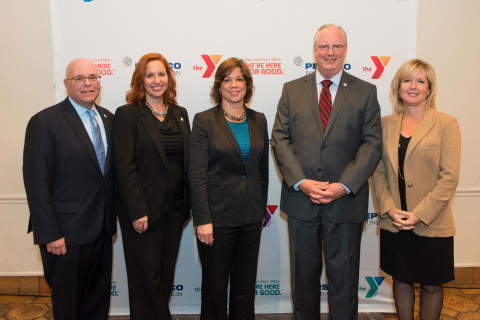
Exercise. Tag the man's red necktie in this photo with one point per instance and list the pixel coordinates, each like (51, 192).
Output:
(325, 103)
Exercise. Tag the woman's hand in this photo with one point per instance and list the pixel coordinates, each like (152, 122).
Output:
(205, 234)
(403, 220)
(141, 225)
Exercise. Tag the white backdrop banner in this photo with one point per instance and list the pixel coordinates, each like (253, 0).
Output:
(275, 39)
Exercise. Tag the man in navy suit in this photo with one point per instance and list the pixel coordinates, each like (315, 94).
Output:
(69, 181)
(327, 141)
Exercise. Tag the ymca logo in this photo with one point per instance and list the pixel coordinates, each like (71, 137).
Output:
(380, 63)
(268, 215)
(374, 283)
(211, 61)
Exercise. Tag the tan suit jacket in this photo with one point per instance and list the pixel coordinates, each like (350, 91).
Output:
(431, 170)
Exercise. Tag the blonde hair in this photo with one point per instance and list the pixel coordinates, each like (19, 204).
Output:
(407, 70)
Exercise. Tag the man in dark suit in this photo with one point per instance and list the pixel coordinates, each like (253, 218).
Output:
(69, 182)
(327, 142)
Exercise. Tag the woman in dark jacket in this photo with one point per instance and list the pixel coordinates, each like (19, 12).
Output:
(151, 140)
(228, 174)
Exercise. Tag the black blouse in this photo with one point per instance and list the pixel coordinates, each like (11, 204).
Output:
(173, 144)
(402, 150)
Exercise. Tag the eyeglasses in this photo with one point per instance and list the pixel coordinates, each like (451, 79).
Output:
(90, 77)
(335, 47)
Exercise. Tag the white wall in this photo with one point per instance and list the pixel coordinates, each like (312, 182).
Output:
(447, 37)
(26, 86)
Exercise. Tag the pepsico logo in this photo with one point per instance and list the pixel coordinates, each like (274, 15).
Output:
(127, 61)
(298, 61)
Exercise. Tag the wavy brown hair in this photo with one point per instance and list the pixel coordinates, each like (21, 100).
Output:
(136, 95)
(223, 70)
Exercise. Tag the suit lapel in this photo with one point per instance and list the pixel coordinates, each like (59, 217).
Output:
(184, 126)
(107, 124)
(346, 82)
(254, 131)
(148, 122)
(228, 132)
(423, 128)
(312, 96)
(74, 120)
(393, 126)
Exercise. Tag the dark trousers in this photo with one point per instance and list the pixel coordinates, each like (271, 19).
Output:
(234, 256)
(150, 258)
(80, 280)
(341, 248)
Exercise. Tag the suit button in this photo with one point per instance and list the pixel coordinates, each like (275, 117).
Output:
(101, 203)
(244, 177)
(323, 147)
(410, 185)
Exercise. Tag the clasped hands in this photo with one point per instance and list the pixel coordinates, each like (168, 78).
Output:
(403, 220)
(322, 192)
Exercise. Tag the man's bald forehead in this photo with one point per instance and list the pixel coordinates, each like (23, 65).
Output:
(74, 64)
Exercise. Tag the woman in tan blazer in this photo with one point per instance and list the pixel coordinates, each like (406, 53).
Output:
(413, 186)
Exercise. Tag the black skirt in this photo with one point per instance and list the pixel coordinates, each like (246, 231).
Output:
(412, 258)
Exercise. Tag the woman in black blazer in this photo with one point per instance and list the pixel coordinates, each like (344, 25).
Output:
(151, 140)
(228, 175)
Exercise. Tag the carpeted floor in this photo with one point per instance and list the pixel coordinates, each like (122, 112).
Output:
(459, 303)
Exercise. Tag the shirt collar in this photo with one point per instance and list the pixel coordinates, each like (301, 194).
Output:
(335, 79)
(81, 110)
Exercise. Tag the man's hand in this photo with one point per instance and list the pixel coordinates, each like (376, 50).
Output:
(57, 247)
(336, 190)
(316, 191)
(141, 225)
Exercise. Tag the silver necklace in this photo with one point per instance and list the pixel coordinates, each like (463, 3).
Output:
(230, 116)
(158, 114)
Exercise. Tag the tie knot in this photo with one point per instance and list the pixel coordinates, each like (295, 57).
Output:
(327, 83)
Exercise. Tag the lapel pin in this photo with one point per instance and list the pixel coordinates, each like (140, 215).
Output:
(181, 119)
(104, 115)
(344, 84)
